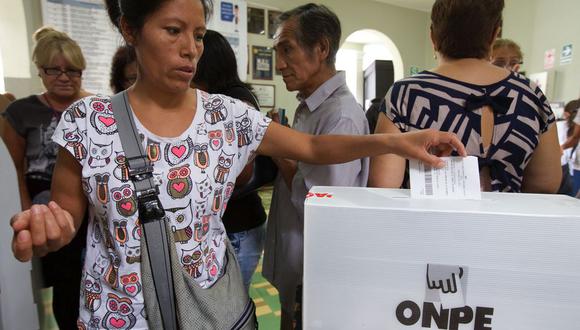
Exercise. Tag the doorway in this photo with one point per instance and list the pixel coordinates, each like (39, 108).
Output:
(359, 51)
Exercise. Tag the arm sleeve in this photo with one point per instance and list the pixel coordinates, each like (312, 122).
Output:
(390, 107)
(13, 116)
(71, 132)
(546, 115)
(345, 174)
(577, 118)
(250, 127)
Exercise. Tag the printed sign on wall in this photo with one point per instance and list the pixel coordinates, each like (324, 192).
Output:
(549, 58)
(413, 70)
(566, 54)
(88, 24)
(230, 19)
(262, 62)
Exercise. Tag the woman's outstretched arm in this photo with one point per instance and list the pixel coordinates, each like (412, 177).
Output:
(280, 141)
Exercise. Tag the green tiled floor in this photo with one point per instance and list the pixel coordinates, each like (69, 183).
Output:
(265, 296)
(47, 321)
(266, 299)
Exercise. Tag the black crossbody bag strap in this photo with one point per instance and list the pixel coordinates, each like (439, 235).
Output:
(151, 213)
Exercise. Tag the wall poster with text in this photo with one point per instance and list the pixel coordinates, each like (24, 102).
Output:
(230, 19)
(86, 22)
(262, 62)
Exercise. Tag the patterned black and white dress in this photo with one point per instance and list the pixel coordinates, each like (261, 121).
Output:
(521, 115)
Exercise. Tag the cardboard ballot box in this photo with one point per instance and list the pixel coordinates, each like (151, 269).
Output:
(376, 259)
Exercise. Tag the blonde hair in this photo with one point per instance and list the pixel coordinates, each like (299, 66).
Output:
(50, 43)
(507, 43)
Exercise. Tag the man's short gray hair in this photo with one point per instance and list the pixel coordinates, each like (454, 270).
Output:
(315, 23)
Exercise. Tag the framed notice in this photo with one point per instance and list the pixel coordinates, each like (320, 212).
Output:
(549, 58)
(273, 22)
(262, 62)
(266, 95)
(256, 20)
(79, 19)
(230, 20)
(566, 54)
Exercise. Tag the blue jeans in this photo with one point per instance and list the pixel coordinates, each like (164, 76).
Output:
(567, 184)
(576, 181)
(248, 246)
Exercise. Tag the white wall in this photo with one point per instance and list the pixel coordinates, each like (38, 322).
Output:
(405, 27)
(349, 60)
(17, 307)
(536, 24)
(18, 20)
(539, 25)
(517, 25)
(13, 39)
(2, 86)
(373, 52)
(354, 58)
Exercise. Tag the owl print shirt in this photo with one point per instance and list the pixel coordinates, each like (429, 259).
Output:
(195, 172)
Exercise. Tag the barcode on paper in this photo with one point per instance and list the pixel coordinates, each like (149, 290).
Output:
(428, 180)
(458, 179)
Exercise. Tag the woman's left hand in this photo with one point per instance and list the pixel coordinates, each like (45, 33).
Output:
(427, 145)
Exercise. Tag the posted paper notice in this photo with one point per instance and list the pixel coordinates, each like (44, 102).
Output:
(459, 179)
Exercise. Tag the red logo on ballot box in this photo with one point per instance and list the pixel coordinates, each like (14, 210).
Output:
(319, 195)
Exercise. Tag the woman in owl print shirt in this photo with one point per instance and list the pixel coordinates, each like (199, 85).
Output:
(174, 121)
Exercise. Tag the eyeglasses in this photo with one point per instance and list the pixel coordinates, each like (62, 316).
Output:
(507, 65)
(56, 72)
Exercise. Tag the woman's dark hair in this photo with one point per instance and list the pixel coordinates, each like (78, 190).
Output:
(123, 57)
(571, 108)
(137, 11)
(465, 28)
(114, 12)
(217, 69)
(315, 23)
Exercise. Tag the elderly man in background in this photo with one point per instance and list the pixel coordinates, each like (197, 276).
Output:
(306, 44)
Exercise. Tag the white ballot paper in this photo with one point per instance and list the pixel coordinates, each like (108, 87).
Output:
(459, 179)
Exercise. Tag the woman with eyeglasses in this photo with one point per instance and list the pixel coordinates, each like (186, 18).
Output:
(30, 124)
(506, 54)
(502, 118)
